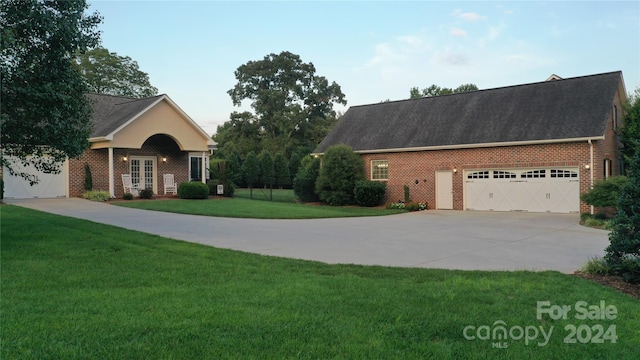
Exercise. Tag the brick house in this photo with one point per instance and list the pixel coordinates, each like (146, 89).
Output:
(146, 138)
(533, 147)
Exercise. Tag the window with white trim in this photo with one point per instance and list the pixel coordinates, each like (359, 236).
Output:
(379, 169)
(195, 167)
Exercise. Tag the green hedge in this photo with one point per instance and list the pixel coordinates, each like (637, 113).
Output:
(370, 193)
(193, 190)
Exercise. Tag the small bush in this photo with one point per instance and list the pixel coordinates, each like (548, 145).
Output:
(413, 206)
(127, 196)
(584, 217)
(596, 266)
(605, 192)
(398, 205)
(193, 190)
(96, 195)
(146, 193)
(369, 193)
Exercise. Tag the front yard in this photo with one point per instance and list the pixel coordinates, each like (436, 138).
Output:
(240, 206)
(77, 289)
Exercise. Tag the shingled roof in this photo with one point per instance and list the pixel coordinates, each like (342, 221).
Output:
(572, 108)
(110, 112)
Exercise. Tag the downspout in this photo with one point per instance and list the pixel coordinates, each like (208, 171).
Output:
(591, 169)
(112, 192)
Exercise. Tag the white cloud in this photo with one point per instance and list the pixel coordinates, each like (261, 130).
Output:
(457, 32)
(468, 16)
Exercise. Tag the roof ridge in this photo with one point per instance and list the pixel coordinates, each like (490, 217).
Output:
(495, 88)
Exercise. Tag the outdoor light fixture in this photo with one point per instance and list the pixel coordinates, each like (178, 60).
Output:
(587, 166)
(164, 159)
(455, 170)
(124, 159)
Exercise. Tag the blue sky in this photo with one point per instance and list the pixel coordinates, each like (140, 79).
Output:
(375, 50)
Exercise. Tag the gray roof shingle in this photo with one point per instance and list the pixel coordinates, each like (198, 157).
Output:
(558, 109)
(110, 112)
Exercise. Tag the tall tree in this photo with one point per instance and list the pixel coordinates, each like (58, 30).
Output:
(265, 162)
(43, 100)
(288, 98)
(281, 170)
(435, 90)
(630, 130)
(251, 171)
(108, 73)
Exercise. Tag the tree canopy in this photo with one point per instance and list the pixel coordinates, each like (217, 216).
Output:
(44, 115)
(630, 130)
(109, 73)
(435, 90)
(292, 106)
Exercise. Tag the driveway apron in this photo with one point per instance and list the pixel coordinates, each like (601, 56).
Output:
(466, 240)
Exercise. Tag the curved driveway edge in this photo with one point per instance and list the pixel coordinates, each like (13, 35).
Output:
(465, 240)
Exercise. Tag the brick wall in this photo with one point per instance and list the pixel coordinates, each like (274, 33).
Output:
(418, 169)
(158, 146)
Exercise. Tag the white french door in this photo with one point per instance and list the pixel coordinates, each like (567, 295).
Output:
(143, 172)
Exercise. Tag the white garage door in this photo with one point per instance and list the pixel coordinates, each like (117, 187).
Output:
(537, 190)
(48, 186)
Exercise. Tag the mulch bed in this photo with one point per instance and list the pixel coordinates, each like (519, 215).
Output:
(614, 282)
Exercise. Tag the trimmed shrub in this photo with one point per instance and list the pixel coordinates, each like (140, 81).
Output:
(146, 193)
(605, 192)
(193, 190)
(304, 184)
(88, 179)
(623, 252)
(370, 193)
(127, 196)
(414, 206)
(341, 169)
(407, 198)
(96, 195)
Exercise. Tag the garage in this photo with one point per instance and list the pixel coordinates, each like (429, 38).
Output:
(48, 186)
(554, 190)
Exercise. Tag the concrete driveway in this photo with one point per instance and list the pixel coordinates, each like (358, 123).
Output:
(430, 239)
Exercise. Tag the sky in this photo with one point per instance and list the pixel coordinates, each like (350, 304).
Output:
(375, 50)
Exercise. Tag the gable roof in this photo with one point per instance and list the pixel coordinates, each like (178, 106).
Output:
(112, 113)
(573, 108)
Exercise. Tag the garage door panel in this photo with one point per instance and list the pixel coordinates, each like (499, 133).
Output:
(535, 190)
(48, 185)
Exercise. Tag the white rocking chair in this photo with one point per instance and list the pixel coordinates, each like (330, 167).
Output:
(133, 189)
(170, 184)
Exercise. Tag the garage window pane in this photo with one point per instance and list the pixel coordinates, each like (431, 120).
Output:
(504, 175)
(379, 170)
(554, 173)
(478, 175)
(534, 174)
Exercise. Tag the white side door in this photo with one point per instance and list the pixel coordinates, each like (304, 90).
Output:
(444, 190)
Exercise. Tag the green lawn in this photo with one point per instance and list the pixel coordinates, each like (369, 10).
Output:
(76, 289)
(282, 207)
(279, 195)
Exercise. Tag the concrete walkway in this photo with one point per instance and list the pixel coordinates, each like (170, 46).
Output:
(431, 239)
